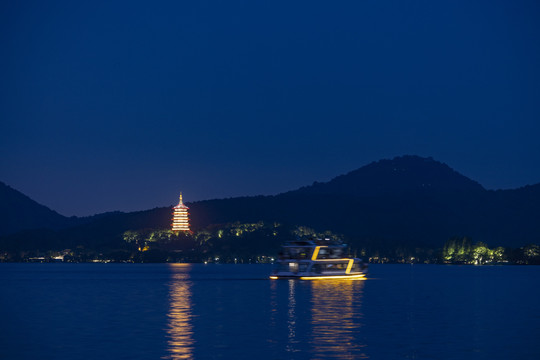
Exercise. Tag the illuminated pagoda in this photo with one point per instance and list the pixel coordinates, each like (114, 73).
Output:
(180, 217)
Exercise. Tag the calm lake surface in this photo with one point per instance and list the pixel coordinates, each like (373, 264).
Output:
(183, 311)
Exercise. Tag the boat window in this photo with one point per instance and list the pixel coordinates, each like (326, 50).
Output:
(295, 253)
(339, 266)
(336, 253)
(293, 267)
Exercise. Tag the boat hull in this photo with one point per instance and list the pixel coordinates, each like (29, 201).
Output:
(357, 276)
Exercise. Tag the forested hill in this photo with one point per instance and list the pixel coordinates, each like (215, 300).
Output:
(19, 212)
(399, 176)
(407, 200)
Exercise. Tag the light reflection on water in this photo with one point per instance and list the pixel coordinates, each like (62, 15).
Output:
(336, 319)
(217, 312)
(319, 319)
(131, 311)
(291, 319)
(180, 328)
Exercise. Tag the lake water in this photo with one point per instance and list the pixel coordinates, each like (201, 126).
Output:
(181, 311)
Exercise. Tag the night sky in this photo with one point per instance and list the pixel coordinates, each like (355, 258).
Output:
(120, 105)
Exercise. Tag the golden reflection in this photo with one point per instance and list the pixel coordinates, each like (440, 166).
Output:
(180, 329)
(337, 319)
(291, 318)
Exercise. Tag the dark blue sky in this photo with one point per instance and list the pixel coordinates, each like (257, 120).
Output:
(110, 105)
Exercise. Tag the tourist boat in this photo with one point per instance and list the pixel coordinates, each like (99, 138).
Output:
(317, 259)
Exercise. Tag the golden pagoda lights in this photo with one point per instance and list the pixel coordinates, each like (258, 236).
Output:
(180, 217)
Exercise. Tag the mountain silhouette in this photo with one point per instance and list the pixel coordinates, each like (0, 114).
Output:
(399, 176)
(408, 200)
(19, 212)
